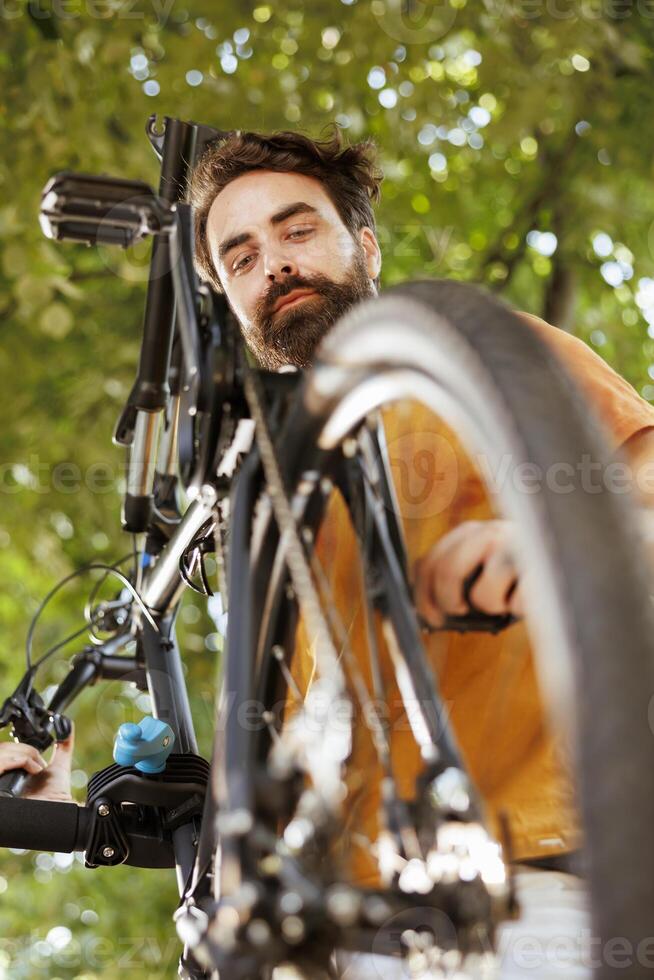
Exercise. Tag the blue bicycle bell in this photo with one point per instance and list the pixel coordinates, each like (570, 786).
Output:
(145, 746)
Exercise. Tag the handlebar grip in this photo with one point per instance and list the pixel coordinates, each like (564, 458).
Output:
(42, 825)
(12, 782)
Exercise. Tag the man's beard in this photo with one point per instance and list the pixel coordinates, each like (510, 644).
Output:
(292, 335)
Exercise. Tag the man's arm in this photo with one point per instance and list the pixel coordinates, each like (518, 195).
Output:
(639, 450)
(439, 575)
(629, 421)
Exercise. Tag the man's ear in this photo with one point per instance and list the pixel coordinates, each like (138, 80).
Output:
(371, 250)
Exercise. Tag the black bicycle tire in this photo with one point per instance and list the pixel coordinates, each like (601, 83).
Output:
(496, 357)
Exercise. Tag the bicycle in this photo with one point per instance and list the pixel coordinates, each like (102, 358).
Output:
(252, 836)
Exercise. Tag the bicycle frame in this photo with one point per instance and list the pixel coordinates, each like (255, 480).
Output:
(189, 376)
(130, 211)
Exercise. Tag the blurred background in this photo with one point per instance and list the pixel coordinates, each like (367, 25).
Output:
(517, 142)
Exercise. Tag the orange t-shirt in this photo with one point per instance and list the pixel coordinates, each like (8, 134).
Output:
(488, 683)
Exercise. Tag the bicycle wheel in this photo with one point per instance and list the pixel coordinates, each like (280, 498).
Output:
(468, 359)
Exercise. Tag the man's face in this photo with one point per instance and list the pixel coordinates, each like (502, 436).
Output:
(287, 263)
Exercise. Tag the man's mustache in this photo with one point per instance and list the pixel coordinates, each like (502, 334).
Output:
(278, 290)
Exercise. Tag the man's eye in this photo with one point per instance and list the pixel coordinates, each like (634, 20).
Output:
(241, 262)
(244, 262)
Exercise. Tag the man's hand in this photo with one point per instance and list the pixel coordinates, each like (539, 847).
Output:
(440, 574)
(18, 755)
(53, 782)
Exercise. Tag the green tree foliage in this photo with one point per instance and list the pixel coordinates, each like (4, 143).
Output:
(516, 140)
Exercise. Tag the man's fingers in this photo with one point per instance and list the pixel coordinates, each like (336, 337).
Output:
(32, 753)
(490, 591)
(27, 757)
(31, 765)
(424, 599)
(63, 753)
(516, 602)
(453, 564)
(440, 574)
(21, 760)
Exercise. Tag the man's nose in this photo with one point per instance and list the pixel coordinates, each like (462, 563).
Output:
(278, 267)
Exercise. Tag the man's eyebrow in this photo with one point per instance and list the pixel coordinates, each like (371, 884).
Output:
(299, 207)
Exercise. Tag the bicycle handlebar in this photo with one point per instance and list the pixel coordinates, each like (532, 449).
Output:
(43, 825)
(12, 782)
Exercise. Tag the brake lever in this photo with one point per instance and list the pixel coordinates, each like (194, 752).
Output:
(31, 721)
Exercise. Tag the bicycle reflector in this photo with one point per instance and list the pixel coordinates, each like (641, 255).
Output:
(101, 210)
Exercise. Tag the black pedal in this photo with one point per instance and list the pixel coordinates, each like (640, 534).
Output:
(100, 210)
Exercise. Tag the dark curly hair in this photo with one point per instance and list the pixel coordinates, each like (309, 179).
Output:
(348, 173)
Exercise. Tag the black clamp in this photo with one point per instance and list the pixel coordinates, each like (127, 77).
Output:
(134, 814)
(30, 720)
(107, 843)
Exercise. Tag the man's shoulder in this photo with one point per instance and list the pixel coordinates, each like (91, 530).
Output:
(620, 406)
